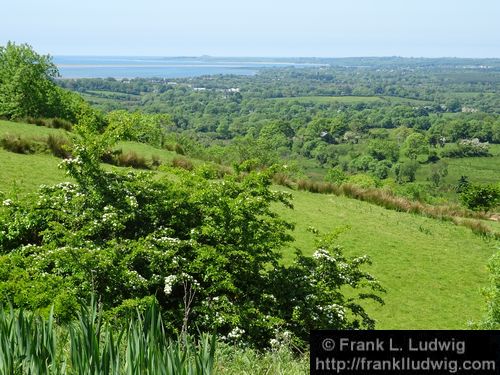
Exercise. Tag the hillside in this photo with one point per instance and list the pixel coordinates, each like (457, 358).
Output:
(433, 270)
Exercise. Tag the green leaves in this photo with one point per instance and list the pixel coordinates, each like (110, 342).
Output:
(207, 249)
(25, 81)
(481, 197)
(31, 344)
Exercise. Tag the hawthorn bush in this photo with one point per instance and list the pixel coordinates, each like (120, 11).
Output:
(207, 249)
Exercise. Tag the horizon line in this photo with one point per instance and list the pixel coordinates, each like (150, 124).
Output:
(281, 57)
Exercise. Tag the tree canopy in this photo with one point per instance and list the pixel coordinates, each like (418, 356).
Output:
(26, 82)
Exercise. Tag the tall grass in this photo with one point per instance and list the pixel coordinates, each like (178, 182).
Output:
(59, 146)
(131, 159)
(56, 123)
(182, 163)
(387, 199)
(17, 144)
(126, 159)
(30, 344)
(27, 344)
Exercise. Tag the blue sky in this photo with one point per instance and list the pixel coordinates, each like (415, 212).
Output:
(329, 28)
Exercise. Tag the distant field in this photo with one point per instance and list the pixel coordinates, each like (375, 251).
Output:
(433, 271)
(480, 170)
(352, 99)
(112, 94)
(20, 174)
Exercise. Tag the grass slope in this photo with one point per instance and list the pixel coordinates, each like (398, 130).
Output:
(20, 173)
(433, 271)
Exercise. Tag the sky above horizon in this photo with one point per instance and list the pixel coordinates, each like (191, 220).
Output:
(322, 28)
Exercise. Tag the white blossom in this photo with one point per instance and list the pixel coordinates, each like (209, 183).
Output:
(7, 202)
(169, 284)
(236, 333)
(322, 253)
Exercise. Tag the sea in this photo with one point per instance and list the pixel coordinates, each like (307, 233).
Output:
(166, 67)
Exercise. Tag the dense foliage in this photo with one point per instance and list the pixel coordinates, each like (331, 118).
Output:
(28, 88)
(208, 250)
(481, 197)
(492, 296)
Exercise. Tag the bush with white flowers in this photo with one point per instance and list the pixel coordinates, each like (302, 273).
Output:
(208, 250)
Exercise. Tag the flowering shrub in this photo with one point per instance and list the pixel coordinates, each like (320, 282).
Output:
(468, 148)
(208, 250)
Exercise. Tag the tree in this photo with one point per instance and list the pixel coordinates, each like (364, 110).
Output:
(382, 149)
(26, 82)
(415, 145)
(336, 176)
(454, 105)
(406, 172)
(463, 184)
(438, 172)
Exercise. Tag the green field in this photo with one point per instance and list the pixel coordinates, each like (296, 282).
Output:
(347, 99)
(484, 170)
(433, 270)
(22, 174)
(478, 169)
(28, 130)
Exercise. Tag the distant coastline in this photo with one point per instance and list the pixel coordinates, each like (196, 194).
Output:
(172, 67)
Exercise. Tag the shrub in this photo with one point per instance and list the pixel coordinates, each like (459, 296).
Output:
(212, 171)
(336, 176)
(168, 146)
(481, 197)
(209, 250)
(35, 121)
(406, 172)
(414, 191)
(109, 156)
(282, 179)
(438, 172)
(182, 163)
(363, 180)
(491, 320)
(18, 144)
(317, 187)
(179, 149)
(462, 184)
